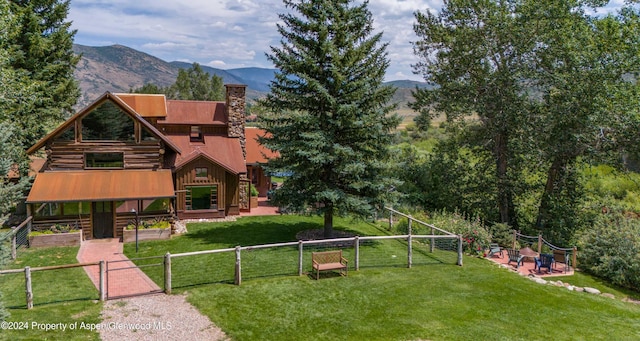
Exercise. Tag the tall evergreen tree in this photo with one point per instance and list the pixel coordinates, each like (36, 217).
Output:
(16, 91)
(41, 45)
(329, 111)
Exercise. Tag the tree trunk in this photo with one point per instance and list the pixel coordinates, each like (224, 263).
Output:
(553, 175)
(505, 197)
(328, 221)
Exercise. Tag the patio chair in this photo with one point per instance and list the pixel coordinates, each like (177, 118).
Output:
(495, 249)
(563, 257)
(514, 256)
(544, 261)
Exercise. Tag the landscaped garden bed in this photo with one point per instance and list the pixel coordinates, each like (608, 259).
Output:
(56, 235)
(147, 230)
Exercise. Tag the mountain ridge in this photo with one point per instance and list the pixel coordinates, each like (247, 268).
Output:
(118, 68)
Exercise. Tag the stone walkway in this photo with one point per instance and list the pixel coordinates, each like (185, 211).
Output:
(126, 282)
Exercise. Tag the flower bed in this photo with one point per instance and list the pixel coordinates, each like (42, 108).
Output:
(55, 239)
(146, 234)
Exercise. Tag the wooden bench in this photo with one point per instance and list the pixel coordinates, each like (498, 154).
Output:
(328, 260)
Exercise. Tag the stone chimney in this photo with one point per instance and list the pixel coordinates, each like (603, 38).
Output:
(236, 113)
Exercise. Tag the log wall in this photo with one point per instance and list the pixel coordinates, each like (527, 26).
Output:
(68, 155)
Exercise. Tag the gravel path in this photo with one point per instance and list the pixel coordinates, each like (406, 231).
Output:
(156, 317)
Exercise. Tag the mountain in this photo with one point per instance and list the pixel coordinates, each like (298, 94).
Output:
(118, 68)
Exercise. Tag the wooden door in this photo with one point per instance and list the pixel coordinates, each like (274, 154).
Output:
(103, 219)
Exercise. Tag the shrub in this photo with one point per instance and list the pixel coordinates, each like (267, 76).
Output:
(502, 234)
(611, 250)
(475, 236)
(254, 191)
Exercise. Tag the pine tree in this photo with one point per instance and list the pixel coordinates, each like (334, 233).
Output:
(40, 44)
(16, 91)
(329, 116)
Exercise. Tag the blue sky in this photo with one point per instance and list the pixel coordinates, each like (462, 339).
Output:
(229, 34)
(225, 34)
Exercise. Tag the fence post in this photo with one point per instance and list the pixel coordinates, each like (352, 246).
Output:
(433, 240)
(515, 238)
(101, 284)
(539, 243)
(167, 273)
(14, 246)
(357, 252)
(29, 291)
(459, 250)
(300, 250)
(390, 219)
(409, 248)
(575, 258)
(238, 280)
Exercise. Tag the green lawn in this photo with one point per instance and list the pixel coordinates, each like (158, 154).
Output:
(436, 300)
(60, 296)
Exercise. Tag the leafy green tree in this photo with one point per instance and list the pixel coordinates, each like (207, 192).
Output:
(543, 84)
(149, 88)
(472, 51)
(329, 111)
(195, 84)
(588, 102)
(40, 43)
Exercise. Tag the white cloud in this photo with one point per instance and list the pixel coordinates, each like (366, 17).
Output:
(224, 33)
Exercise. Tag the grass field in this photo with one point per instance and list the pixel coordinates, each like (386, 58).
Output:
(60, 297)
(434, 301)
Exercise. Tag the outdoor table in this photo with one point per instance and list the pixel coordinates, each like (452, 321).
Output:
(528, 253)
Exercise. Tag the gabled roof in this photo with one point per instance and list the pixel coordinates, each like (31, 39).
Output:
(119, 102)
(195, 113)
(147, 105)
(225, 151)
(257, 153)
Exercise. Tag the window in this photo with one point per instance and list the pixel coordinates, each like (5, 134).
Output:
(103, 160)
(146, 135)
(156, 205)
(202, 198)
(67, 135)
(196, 133)
(62, 209)
(107, 123)
(201, 172)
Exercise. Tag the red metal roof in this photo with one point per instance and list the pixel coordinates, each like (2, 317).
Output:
(225, 151)
(101, 185)
(147, 105)
(257, 153)
(195, 113)
(106, 96)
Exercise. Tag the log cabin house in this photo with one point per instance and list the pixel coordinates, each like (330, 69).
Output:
(128, 155)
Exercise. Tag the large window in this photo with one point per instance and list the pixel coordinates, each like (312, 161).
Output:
(63, 209)
(103, 160)
(202, 198)
(108, 123)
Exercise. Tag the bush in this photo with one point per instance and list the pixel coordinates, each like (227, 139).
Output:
(475, 236)
(502, 234)
(611, 250)
(254, 191)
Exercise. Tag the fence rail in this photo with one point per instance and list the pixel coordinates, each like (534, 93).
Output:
(241, 262)
(29, 292)
(540, 241)
(18, 236)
